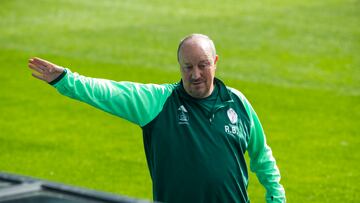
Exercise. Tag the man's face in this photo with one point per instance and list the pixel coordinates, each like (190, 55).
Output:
(197, 67)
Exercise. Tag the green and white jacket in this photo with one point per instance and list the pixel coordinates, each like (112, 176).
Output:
(194, 147)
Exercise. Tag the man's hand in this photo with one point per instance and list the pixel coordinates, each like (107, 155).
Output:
(45, 70)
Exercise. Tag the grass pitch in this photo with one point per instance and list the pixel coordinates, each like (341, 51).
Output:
(296, 61)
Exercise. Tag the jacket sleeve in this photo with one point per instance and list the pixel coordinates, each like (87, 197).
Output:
(135, 102)
(262, 161)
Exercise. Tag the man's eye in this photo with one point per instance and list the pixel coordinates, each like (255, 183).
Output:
(202, 66)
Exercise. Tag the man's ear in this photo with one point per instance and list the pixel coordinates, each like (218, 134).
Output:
(216, 59)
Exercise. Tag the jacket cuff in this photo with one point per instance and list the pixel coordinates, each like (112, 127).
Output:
(276, 199)
(58, 78)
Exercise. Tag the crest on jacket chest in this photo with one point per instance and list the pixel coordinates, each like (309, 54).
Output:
(233, 117)
(232, 128)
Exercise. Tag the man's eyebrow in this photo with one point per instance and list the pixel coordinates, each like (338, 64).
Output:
(204, 61)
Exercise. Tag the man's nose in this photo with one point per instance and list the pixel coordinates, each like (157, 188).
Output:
(195, 73)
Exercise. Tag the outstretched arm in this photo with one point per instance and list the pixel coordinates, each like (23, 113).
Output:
(135, 102)
(45, 70)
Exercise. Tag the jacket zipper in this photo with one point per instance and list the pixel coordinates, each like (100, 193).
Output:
(212, 114)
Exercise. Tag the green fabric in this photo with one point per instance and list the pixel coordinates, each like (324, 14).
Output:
(194, 148)
(211, 102)
(262, 161)
(138, 103)
(202, 159)
(195, 160)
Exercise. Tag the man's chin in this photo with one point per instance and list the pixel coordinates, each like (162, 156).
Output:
(198, 94)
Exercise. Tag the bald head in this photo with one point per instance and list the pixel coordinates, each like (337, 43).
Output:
(197, 59)
(198, 40)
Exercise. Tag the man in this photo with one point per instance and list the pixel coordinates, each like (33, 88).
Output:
(195, 132)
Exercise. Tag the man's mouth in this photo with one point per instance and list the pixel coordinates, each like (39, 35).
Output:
(196, 82)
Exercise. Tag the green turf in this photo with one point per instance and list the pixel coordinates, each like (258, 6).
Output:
(298, 62)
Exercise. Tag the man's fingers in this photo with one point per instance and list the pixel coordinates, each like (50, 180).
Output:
(38, 64)
(38, 76)
(45, 65)
(42, 65)
(44, 70)
(42, 62)
(35, 68)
